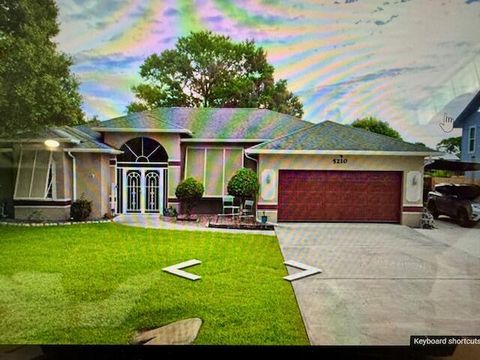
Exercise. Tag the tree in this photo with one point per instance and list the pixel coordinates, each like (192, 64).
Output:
(36, 87)
(210, 70)
(377, 126)
(189, 192)
(244, 184)
(452, 145)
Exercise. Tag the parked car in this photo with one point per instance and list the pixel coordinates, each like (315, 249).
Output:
(459, 201)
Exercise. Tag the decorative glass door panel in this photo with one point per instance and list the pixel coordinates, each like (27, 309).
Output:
(134, 191)
(142, 190)
(152, 191)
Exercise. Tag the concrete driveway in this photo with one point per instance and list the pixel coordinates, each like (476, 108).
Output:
(382, 283)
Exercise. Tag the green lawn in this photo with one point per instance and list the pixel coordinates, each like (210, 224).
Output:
(100, 283)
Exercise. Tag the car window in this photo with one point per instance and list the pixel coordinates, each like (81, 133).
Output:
(467, 192)
(445, 189)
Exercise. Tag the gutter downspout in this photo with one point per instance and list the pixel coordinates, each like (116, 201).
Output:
(74, 175)
(256, 170)
(253, 159)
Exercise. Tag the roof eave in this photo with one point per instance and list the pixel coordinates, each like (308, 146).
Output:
(220, 140)
(33, 141)
(342, 152)
(103, 151)
(151, 130)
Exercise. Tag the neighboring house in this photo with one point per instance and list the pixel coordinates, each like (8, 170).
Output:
(132, 164)
(469, 122)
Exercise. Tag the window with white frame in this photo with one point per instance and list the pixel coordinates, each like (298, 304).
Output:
(213, 166)
(35, 172)
(471, 139)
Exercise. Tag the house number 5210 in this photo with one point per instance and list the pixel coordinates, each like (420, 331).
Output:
(340, 160)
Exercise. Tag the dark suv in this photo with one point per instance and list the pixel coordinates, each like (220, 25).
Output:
(461, 202)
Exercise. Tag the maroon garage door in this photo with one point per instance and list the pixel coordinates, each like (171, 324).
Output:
(364, 196)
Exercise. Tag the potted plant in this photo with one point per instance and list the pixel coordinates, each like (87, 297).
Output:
(263, 218)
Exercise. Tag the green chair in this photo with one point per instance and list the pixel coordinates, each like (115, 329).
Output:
(247, 210)
(228, 207)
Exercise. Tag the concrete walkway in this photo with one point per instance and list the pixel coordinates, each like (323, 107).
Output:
(382, 283)
(154, 221)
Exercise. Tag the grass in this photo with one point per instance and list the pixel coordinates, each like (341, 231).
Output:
(100, 283)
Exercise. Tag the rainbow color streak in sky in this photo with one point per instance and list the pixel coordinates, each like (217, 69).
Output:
(404, 61)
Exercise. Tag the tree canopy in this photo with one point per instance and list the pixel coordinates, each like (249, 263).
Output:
(452, 145)
(37, 88)
(377, 126)
(209, 70)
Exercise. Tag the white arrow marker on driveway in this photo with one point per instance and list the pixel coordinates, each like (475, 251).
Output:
(175, 269)
(308, 270)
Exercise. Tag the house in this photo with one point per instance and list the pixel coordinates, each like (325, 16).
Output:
(469, 122)
(132, 164)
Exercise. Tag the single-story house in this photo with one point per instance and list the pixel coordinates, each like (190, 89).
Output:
(469, 122)
(132, 164)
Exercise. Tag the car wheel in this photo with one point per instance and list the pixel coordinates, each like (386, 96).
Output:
(432, 208)
(463, 218)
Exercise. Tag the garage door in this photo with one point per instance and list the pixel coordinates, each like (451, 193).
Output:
(363, 196)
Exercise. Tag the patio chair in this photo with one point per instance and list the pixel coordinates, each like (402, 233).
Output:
(247, 210)
(228, 206)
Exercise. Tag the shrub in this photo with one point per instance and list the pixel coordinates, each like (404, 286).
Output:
(189, 192)
(80, 209)
(244, 184)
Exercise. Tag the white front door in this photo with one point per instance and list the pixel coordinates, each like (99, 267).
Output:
(143, 190)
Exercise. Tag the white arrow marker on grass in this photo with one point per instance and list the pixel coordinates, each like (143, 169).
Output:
(175, 269)
(308, 270)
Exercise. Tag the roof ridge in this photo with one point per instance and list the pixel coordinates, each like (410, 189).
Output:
(289, 134)
(342, 137)
(379, 135)
(165, 121)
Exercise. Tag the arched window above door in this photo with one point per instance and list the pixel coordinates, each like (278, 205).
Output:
(143, 149)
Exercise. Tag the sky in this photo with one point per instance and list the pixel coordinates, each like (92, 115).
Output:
(404, 61)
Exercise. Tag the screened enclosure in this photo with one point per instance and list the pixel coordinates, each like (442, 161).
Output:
(213, 166)
(35, 175)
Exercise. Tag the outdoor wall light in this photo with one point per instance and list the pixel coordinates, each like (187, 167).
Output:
(50, 143)
(414, 180)
(268, 179)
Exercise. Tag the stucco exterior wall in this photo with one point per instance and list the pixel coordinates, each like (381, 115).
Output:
(271, 164)
(94, 181)
(40, 213)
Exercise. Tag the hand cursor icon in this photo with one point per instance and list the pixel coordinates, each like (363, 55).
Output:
(447, 123)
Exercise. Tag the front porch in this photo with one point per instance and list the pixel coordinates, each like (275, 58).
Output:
(204, 223)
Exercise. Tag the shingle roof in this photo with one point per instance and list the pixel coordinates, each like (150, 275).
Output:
(211, 123)
(86, 140)
(77, 139)
(328, 136)
(149, 120)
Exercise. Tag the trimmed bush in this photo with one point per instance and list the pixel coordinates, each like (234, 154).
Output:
(244, 184)
(189, 192)
(81, 209)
